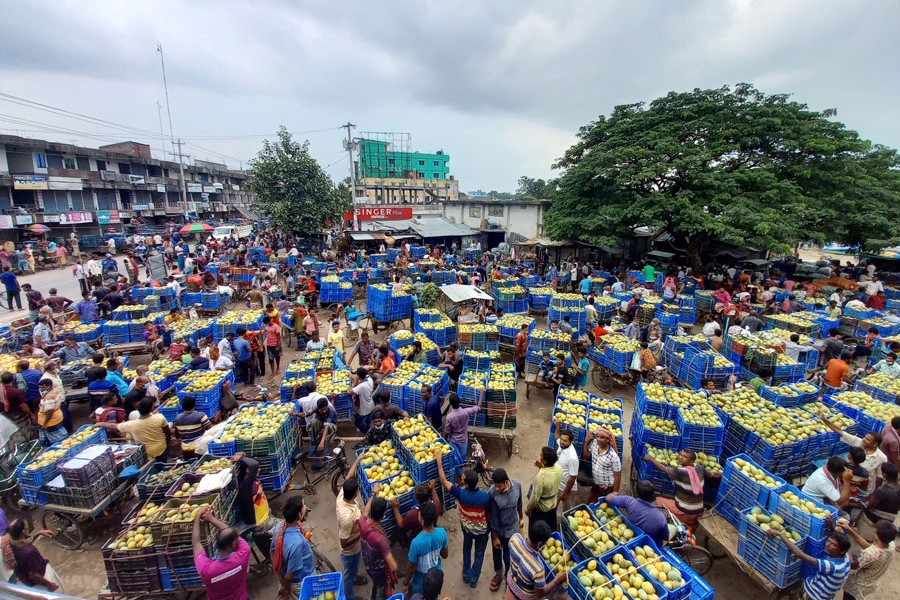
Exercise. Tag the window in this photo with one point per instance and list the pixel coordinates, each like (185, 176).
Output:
(125, 168)
(165, 173)
(421, 174)
(101, 165)
(68, 163)
(421, 163)
(40, 160)
(83, 163)
(391, 161)
(495, 211)
(436, 163)
(474, 212)
(436, 175)
(392, 173)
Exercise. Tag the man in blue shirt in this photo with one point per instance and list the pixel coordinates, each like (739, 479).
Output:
(72, 350)
(198, 363)
(243, 356)
(322, 423)
(292, 556)
(31, 377)
(427, 549)
(432, 408)
(114, 375)
(11, 283)
(643, 512)
(87, 309)
(585, 285)
(582, 367)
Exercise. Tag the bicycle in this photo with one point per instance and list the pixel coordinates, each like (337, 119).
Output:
(684, 544)
(478, 462)
(333, 464)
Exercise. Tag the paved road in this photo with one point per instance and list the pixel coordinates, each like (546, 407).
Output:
(61, 279)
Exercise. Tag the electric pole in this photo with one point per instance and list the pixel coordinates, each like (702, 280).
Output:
(184, 198)
(349, 126)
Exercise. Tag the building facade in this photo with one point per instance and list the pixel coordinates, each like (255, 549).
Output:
(387, 176)
(97, 188)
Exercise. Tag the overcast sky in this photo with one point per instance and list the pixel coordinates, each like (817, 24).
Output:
(500, 85)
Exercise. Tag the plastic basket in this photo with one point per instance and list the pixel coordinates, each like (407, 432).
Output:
(317, 585)
(808, 525)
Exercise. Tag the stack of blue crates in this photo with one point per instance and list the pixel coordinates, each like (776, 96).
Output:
(738, 491)
(768, 554)
(386, 306)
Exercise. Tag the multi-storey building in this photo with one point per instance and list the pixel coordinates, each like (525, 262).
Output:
(92, 189)
(386, 175)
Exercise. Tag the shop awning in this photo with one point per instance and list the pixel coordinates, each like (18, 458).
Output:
(365, 236)
(462, 293)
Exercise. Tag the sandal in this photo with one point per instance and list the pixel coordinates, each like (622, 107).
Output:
(495, 582)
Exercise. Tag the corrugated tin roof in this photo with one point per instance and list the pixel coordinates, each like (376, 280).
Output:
(440, 227)
(460, 293)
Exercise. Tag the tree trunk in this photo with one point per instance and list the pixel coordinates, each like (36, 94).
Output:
(692, 249)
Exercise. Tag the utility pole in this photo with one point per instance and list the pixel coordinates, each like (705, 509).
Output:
(349, 126)
(184, 198)
(162, 135)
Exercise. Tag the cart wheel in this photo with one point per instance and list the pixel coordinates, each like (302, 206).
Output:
(697, 558)
(66, 530)
(713, 547)
(11, 499)
(602, 379)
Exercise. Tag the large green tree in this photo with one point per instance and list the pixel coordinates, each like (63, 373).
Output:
(530, 187)
(293, 189)
(729, 164)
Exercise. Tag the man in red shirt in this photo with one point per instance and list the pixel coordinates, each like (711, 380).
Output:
(380, 564)
(273, 345)
(877, 301)
(521, 349)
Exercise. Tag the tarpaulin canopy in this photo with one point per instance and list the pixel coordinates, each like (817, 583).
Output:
(461, 293)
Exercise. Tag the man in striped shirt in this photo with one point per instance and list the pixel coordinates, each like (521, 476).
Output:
(689, 479)
(831, 571)
(527, 579)
(190, 425)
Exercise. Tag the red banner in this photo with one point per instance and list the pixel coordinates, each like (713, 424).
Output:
(380, 213)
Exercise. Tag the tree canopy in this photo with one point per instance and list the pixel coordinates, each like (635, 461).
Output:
(293, 190)
(729, 164)
(534, 188)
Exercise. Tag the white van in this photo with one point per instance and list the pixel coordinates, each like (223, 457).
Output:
(226, 231)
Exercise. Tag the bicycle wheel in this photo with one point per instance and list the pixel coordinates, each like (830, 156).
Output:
(602, 378)
(337, 481)
(4, 299)
(697, 558)
(323, 565)
(66, 530)
(487, 476)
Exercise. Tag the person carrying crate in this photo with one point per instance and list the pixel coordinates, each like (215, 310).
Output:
(689, 478)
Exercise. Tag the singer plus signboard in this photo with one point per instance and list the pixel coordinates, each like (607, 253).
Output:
(380, 213)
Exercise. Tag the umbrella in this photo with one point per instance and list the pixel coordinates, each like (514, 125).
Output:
(38, 228)
(195, 228)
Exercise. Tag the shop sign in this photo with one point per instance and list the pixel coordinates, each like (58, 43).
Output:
(107, 175)
(140, 206)
(194, 188)
(74, 218)
(24, 219)
(161, 188)
(66, 183)
(210, 189)
(51, 218)
(30, 182)
(381, 213)
(105, 217)
(6, 222)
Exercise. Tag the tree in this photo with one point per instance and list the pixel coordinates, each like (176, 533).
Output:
(534, 188)
(734, 165)
(293, 189)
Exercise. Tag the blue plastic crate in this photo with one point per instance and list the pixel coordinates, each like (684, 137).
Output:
(97, 437)
(805, 523)
(218, 448)
(700, 438)
(276, 481)
(33, 496)
(179, 579)
(316, 585)
(642, 435)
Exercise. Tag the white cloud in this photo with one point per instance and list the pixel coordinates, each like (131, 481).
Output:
(501, 86)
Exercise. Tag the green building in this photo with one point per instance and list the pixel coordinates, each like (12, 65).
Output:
(377, 160)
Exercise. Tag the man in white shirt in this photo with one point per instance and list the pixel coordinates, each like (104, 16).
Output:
(157, 240)
(568, 462)
(870, 443)
(831, 483)
(792, 347)
(362, 390)
(873, 287)
(307, 404)
(94, 270)
(225, 346)
(294, 252)
(111, 244)
(176, 288)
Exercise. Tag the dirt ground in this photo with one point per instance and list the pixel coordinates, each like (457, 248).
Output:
(83, 574)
